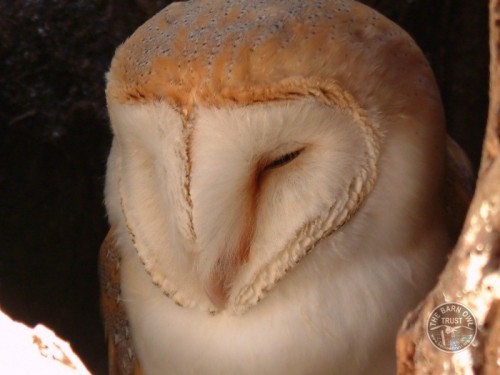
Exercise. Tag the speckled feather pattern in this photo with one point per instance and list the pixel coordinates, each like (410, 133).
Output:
(122, 358)
(222, 52)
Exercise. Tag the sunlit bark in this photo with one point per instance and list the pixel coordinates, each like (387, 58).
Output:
(472, 275)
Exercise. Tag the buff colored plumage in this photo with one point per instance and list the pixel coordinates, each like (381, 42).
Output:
(276, 189)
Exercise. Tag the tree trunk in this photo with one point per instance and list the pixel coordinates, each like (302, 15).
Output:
(472, 275)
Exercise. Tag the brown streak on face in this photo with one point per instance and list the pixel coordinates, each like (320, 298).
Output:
(230, 262)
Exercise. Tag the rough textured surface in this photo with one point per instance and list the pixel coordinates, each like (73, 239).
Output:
(25, 350)
(54, 139)
(472, 275)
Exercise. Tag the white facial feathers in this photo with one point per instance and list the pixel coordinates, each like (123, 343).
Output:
(247, 205)
(245, 212)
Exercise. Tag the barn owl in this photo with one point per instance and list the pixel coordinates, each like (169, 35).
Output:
(276, 189)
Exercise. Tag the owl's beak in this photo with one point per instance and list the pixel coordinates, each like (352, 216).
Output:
(226, 268)
(216, 291)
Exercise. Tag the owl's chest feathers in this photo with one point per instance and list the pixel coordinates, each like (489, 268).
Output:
(331, 304)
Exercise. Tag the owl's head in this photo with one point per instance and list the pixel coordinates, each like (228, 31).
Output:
(247, 132)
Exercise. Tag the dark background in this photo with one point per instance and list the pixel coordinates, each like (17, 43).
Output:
(54, 139)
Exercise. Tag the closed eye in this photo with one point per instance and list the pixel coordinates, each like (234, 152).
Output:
(284, 159)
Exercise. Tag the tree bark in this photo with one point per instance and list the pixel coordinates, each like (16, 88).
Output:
(472, 275)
